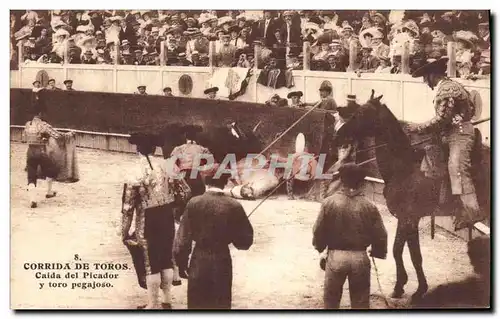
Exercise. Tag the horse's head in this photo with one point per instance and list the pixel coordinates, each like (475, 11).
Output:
(363, 122)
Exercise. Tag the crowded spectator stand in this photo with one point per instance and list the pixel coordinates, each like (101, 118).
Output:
(335, 41)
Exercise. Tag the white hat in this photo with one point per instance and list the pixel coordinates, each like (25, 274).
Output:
(224, 20)
(61, 32)
(155, 29)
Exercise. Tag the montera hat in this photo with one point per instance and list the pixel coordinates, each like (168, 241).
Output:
(351, 97)
(67, 81)
(294, 93)
(210, 90)
(432, 66)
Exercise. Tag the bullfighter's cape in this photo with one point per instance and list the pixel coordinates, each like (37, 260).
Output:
(62, 153)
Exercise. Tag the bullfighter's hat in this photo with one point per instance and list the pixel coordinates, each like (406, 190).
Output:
(351, 97)
(294, 93)
(212, 89)
(432, 66)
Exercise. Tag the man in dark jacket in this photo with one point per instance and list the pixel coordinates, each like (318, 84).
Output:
(347, 224)
(213, 221)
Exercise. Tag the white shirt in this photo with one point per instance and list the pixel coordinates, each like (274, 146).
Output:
(266, 25)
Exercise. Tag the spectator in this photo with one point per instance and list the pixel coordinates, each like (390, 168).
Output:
(211, 93)
(294, 62)
(182, 60)
(68, 85)
(51, 85)
(464, 52)
(276, 100)
(266, 27)
(141, 90)
(384, 66)
(295, 97)
(368, 62)
(484, 36)
(396, 64)
(88, 58)
(335, 63)
(226, 54)
(139, 58)
(167, 92)
(379, 48)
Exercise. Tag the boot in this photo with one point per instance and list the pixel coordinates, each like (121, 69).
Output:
(32, 195)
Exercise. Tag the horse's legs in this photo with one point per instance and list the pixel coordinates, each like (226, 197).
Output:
(416, 257)
(397, 252)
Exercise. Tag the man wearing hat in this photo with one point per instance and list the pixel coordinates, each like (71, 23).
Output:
(368, 62)
(167, 91)
(484, 35)
(152, 195)
(379, 48)
(88, 58)
(265, 28)
(334, 63)
(127, 33)
(141, 90)
(37, 133)
(197, 43)
(182, 60)
(347, 36)
(52, 85)
(69, 85)
(342, 214)
(327, 102)
(295, 96)
(139, 58)
(452, 123)
(211, 93)
(226, 55)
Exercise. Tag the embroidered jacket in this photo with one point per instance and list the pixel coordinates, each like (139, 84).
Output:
(453, 106)
(37, 132)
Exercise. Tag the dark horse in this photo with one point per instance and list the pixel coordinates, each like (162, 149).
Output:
(409, 194)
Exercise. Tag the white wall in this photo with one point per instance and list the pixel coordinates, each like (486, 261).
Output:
(408, 98)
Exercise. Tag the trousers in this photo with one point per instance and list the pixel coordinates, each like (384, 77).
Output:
(353, 266)
(460, 141)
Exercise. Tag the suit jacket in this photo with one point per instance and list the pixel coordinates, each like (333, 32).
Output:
(268, 36)
(128, 34)
(274, 78)
(295, 34)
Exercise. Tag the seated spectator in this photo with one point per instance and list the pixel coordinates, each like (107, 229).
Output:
(276, 100)
(396, 64)
(294, 62)
(379, 48)
(127, 59)
(243, 60)
(88, 58)
(226, 55)
(464, 53)
(438, 49)
(484, 36)
(295, 97)
(337, 49)
(182, 60)
(385, 65)
(368, 62)
(139, 57)
(335, 63)
(102, 58)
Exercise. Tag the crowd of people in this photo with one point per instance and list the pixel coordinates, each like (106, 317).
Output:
(136, 37)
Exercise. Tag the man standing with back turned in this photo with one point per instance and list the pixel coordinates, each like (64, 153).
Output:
(213, 221)
(347, 224)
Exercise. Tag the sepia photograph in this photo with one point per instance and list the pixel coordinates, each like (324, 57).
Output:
(250, 159)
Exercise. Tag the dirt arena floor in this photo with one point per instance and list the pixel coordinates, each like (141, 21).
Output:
(280, 271)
